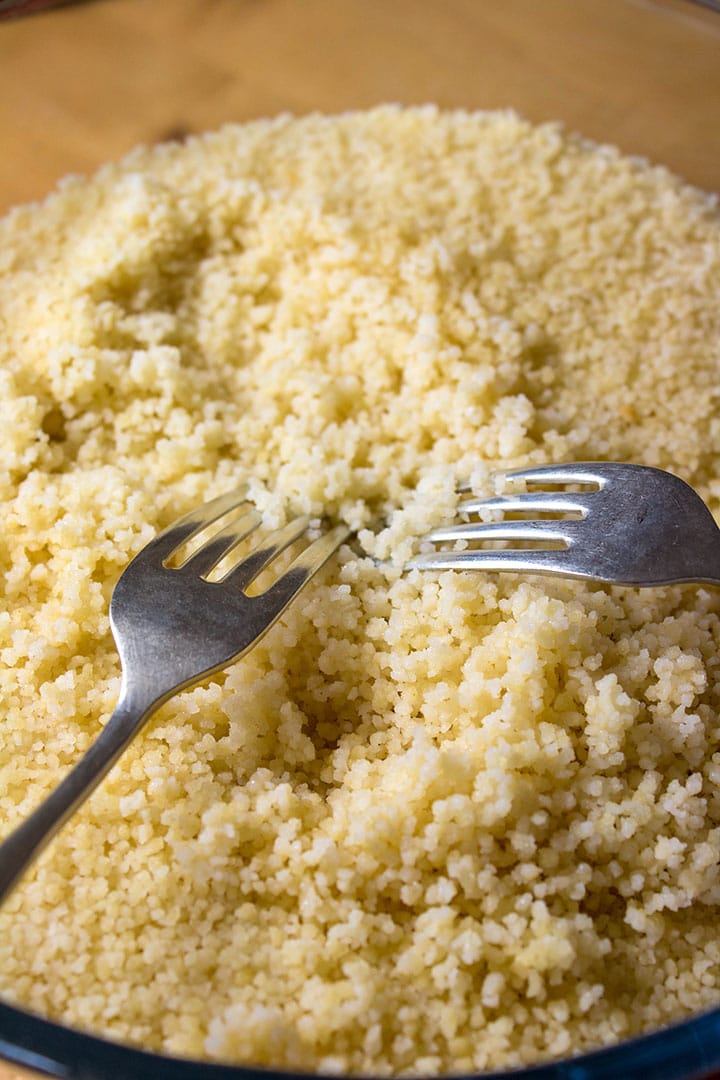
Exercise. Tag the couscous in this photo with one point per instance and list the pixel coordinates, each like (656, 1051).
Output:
(433, 821)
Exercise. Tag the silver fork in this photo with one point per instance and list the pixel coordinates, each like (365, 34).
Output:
(636, 526)
(173, 627)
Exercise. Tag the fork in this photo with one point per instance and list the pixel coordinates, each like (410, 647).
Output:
(174, 626)
(632, 525)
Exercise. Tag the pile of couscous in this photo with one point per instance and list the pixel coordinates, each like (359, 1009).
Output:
(433, 821)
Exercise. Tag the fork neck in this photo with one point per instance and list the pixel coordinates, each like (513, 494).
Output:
(135, 704)
(25, 843)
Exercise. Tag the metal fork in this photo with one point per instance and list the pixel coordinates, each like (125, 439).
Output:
(637, 526)
(173, 627)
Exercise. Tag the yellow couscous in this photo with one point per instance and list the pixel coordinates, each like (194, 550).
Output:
(433, 821)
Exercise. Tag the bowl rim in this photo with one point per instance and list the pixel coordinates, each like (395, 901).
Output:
(688, 1049)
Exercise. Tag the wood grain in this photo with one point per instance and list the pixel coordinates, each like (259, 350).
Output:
(82, 85)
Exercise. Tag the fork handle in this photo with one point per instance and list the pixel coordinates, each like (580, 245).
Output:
(20, 849)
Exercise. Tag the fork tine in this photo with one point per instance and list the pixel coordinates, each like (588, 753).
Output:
(557, 474)
(539, 501)
(243, 573)
(561, 562)
(222, 543)
(182, 530)
(317, 554)
(503, 530)
(305, 566)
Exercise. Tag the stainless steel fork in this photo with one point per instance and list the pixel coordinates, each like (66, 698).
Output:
(635, 526)
(173, 627)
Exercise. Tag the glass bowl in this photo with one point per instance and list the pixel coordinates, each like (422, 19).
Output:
(82, 84)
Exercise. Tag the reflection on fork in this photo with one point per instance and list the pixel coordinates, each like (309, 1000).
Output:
(631, 525)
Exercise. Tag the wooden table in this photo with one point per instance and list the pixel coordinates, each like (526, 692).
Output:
(80, 85)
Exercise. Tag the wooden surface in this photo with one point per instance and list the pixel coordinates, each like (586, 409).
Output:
(81, 85)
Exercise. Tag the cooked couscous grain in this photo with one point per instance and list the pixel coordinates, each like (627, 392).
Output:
(432, 822)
